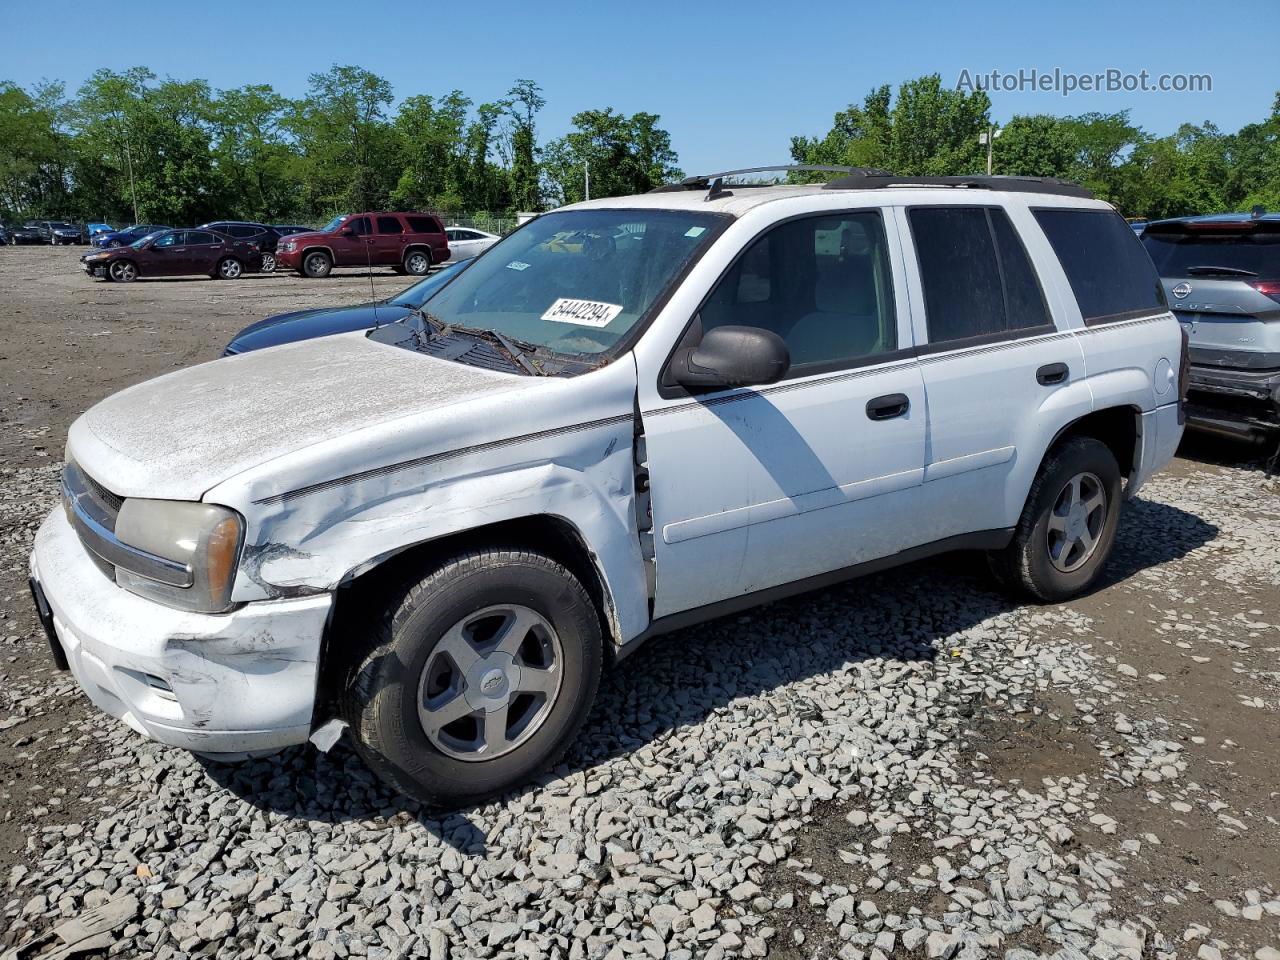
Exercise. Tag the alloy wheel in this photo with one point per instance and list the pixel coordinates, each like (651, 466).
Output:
(229, 269)
(490, 682)
(123, 271)
(268, 263)
(417, 263)
(1076, 521)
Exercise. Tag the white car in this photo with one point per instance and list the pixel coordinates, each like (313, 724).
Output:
(465, 243)
(646, 412)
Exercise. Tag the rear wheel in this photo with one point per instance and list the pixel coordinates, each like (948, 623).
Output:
(316, 264)
(417, 262)
(478, 676)
(229, 268)
(122, 271)
(268, 263)
(1068, 526)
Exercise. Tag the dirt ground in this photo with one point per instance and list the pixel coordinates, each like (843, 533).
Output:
(67, 341)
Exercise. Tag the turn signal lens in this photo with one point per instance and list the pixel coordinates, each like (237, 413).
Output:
(220, 556)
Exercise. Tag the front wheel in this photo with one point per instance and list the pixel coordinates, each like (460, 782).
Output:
(316, 265)
(1068, 526)
(123, 271)
(478, 676)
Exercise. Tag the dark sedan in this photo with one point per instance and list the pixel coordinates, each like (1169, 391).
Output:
(122, 238)
(326, 321)
(264, 236)
(30, 232)
(176, 253)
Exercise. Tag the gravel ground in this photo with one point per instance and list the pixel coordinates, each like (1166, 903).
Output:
(906, 766)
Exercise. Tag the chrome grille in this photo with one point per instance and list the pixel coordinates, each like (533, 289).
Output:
(110, 502)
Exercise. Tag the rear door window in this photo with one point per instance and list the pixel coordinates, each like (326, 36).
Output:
(389, 225)
(199, 237)
(1110, 273)
(978, 280)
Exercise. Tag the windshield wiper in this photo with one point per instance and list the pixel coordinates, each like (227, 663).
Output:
(1220, 271)
(518, 350)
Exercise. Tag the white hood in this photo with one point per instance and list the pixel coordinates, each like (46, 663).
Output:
(175, 437)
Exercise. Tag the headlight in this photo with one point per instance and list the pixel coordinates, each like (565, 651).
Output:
(204, 537)
(288, 246)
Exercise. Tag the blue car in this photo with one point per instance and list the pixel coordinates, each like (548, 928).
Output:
(94, 229)
(326, 321)
(122, 238)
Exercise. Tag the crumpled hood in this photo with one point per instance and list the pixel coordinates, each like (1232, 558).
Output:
(175, 437)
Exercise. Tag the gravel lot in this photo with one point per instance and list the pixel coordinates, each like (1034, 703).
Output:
(906, 766)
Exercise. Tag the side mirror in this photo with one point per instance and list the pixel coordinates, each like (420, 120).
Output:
(348, 232)
(732, 357)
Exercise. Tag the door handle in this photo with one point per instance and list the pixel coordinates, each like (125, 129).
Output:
(1052, 373)
(889, 406)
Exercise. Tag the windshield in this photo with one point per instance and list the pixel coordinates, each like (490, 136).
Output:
(577, 281)
(418, 294)
(333, 224)
(1255, 250)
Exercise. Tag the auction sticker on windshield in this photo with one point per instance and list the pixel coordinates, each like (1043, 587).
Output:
(586, 313)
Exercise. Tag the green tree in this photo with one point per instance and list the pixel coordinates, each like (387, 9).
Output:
(623, 155)
(150, 144)
(253, 152)
(34, 153)
(1035, 146)
(350, 153)
(926, 130)
(525, 100)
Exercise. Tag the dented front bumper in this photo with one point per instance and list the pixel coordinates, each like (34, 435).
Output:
(235, 683)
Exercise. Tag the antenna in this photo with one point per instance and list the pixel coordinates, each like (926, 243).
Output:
(368, 260)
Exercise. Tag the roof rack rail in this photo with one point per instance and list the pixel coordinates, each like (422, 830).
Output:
(705, 180)
(879, 180)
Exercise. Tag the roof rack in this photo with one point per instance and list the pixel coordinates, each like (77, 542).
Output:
(705, 180)
(879, 180)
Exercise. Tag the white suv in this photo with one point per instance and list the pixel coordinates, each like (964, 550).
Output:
(631, 415)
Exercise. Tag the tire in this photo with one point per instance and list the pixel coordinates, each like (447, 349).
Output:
(229, 268)
(316, 264)
(1048, 558)
(417, 262)
(268, 263)
(123, 271)
(409, 663)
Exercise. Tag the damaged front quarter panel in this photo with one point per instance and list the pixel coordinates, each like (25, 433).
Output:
(562, 448)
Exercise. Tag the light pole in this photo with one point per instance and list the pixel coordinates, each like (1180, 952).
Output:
(988, 139)
(586, 173)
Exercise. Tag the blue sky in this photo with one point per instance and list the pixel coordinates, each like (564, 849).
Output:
(732, 87)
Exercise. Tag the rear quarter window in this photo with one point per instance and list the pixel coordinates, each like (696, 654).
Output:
(1110, 272)
(423, 225)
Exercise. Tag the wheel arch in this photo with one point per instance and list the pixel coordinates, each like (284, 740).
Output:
(417, 246)
(550, 534)
(1119, 427)
(314, 247)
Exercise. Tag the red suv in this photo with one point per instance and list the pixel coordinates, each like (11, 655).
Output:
(409, 242)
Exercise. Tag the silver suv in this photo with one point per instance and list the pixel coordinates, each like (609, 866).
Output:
(1221, 274)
